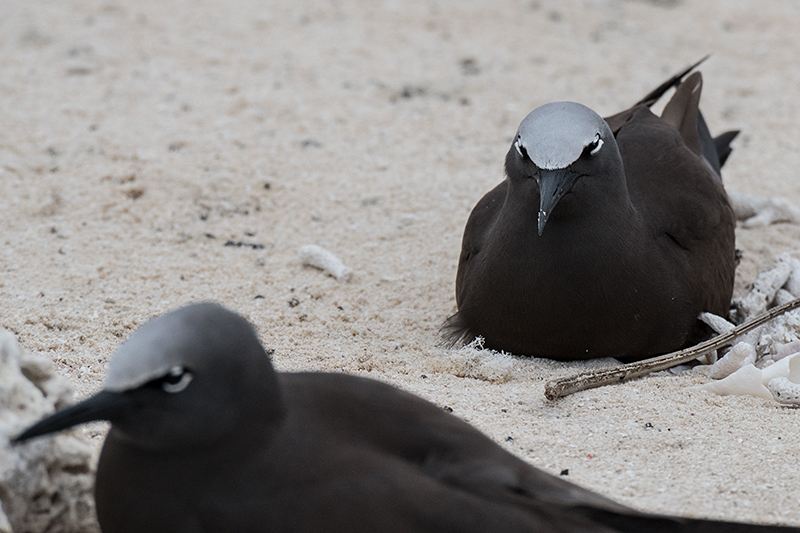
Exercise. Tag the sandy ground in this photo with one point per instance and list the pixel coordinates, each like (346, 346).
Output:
(138, 138)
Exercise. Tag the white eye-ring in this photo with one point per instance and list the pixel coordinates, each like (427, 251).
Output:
(595, 145)
(177, 380)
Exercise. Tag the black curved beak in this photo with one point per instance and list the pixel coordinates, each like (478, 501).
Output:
(553, 185)
(105, 405)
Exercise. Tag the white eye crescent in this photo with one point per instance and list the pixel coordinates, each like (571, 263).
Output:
(595, 145)
(521, 149)
(176, 380)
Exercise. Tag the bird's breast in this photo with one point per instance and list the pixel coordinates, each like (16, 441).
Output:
(571, 293)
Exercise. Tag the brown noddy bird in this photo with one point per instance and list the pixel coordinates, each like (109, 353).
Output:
(607, 238)
(206, 436)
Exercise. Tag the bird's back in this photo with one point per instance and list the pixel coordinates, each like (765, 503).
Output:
(385, 460)
(364, 456)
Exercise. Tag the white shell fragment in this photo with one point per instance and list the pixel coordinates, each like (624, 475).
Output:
(319, 257)
(746, 380)
(759, 212)
(753, 381)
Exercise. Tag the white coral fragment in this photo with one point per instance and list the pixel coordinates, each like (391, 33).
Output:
(783, 297)
(319, 257)
(765, 287)
(45, 485)
(759, 212)
(740, 355)
(781, 332)
(766, 361)
(785, 350)
(784, 391)
(716, 322)
(792, 284)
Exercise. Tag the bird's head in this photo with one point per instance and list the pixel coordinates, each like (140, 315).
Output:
(185, 379)
(557, 145)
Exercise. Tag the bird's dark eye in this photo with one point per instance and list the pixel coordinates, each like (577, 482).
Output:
(593, 147)
(176, 380)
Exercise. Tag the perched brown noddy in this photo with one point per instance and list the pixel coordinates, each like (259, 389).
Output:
(206, 436)
(607, 238)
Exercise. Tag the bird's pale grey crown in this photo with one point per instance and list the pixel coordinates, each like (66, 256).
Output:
(555, 135)
(160, 347)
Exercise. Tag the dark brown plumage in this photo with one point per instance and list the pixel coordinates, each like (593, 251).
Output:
(632, 238)
(206, 436)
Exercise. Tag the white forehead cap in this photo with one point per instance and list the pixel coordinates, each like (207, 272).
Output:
(555, 134)
(167, 341)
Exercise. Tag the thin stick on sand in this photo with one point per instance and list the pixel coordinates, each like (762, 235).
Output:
(559, 388)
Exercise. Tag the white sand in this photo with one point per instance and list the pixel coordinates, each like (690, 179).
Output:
(137, 138)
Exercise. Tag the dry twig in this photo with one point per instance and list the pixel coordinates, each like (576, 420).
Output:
(597, 378)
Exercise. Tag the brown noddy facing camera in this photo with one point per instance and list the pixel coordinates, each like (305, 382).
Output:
(607, 238)
(206, 436)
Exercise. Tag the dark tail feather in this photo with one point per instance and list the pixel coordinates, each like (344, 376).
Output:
(455, 332)
(715, 149)
(722, 144)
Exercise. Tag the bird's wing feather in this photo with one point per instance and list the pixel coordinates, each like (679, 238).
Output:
(616, 121)
(683, 109)
(417, 444)
(455, 331)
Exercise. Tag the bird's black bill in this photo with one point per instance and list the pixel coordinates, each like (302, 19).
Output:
(104, 405)
(553, 185)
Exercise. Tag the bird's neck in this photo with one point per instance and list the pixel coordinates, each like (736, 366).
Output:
(578, 213)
